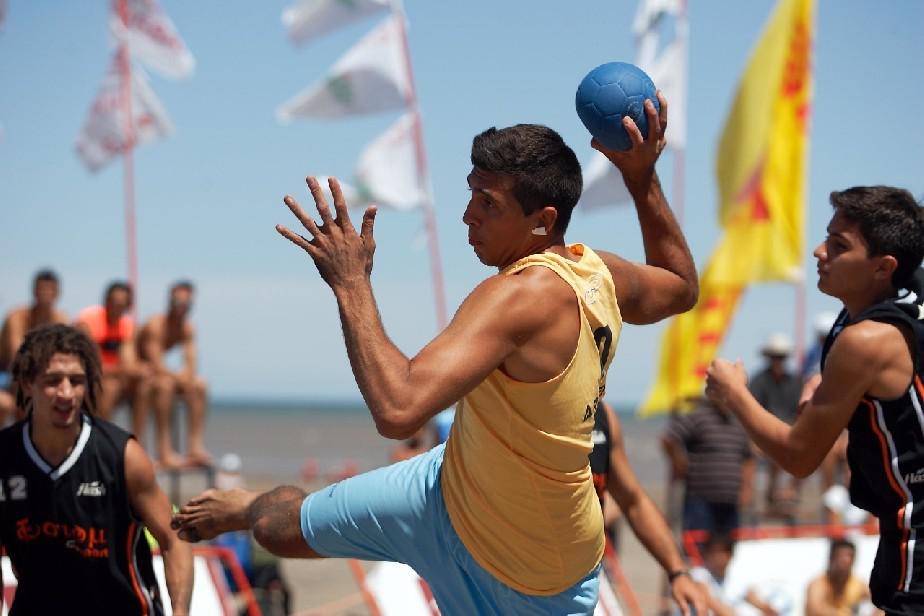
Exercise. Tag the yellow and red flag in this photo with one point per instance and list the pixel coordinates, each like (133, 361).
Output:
(762, 170)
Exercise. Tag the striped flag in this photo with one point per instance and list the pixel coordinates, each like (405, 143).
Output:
(103, 136)
(151, 37)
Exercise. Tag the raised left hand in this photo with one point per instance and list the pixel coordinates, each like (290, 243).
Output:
(341, 255)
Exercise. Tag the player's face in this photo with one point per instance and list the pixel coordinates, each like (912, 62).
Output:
(498, 230)
(58, 392)
(845, 269)
(45, 293)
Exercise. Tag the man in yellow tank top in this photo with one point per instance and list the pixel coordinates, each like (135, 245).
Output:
(503, 519)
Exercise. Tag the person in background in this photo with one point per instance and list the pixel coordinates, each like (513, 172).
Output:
(161, 333)
(125, 377)
(46, 288)
(777, 389)
(837, 592)
(710, 451)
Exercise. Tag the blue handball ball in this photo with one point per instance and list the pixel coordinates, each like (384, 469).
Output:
(607, 94)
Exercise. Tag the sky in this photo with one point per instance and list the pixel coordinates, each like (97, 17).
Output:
(209, 195)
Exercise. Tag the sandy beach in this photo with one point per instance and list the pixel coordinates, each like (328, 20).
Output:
(276, 443)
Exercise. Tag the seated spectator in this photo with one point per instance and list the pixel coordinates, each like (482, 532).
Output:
(722, 599)
(19, 321)
(125, 377)
(161, 333)
(837, 592)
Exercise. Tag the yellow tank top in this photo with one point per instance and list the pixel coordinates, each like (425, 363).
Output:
(516, 479)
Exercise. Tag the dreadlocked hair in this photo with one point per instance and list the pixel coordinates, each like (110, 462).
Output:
(41, 344)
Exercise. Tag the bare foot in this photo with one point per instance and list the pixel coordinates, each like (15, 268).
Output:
(213, 512)
(198, 456)
(170, 460)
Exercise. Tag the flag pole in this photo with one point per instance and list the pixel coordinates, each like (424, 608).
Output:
(125, 71)
(424, 178)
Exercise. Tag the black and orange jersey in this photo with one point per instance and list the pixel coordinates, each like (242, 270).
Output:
(886, 458)
(73, 540)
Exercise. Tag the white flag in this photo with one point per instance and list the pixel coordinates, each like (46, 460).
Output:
(386, 174)
(309, 19)
(371, 77)
(387, 170)
(152, 38)
(103, 136)
(664, 58)
(665, 61)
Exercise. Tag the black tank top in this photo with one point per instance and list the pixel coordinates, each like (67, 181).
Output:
(70, 531)
(886, 458)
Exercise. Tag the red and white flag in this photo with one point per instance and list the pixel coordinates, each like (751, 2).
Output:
(151, 37)
(371, 77)
(104, 135)
(307, 20)
(661, 32)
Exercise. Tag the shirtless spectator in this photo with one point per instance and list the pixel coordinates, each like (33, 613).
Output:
(159, 335)
(125, 377)
(45, 288)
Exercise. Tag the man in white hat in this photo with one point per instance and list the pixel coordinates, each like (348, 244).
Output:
(777, 390)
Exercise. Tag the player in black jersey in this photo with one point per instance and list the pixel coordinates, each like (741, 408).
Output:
(871, 383)
(76, 493)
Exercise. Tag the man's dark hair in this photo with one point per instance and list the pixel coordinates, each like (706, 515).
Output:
(186, 285)
(118, 285)
(45, 275)
(719, 540)
(545, 170)
(890, 221)
(41, 344)
(837, 544)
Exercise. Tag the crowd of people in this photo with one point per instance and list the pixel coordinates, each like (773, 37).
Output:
(135, 371)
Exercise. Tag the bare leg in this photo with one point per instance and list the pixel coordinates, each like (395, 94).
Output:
(195, 395)
(112, 391)
(273, 517)
(164, 388)
(139, 401)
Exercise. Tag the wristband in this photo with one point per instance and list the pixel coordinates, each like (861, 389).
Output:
(676, 573)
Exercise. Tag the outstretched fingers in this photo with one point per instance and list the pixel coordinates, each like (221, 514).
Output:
(367, 226)
(340, 205)
(320, 201)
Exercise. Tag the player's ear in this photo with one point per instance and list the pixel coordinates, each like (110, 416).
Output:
(886, 267)
(545, 221)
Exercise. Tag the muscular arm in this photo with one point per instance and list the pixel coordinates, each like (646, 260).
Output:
(150, 342)
(646, 520)
(403, 394)
(150, 504)
(867, 358)
(666, 284)
(274, 518)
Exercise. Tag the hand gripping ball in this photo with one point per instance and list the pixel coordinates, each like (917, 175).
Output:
(607, 94)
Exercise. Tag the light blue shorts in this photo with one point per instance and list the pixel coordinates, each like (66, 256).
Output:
(397, 513)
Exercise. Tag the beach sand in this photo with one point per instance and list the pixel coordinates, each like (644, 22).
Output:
(275, 443)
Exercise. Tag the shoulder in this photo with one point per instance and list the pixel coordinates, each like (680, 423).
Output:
(17, 315)
(868, 341)
(90, 313)
(533, 291)
(152, 325)
(60, 317)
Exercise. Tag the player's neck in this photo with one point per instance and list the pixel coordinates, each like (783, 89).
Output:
(856, 305)
(54, 443)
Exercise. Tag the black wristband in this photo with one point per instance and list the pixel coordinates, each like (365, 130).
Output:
(673, 575)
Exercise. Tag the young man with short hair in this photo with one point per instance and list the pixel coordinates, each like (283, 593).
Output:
(503, 519)
(76, 493)
(870, 382)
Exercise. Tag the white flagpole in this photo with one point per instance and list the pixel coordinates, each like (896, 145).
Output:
(424, 178)
(125, 69)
